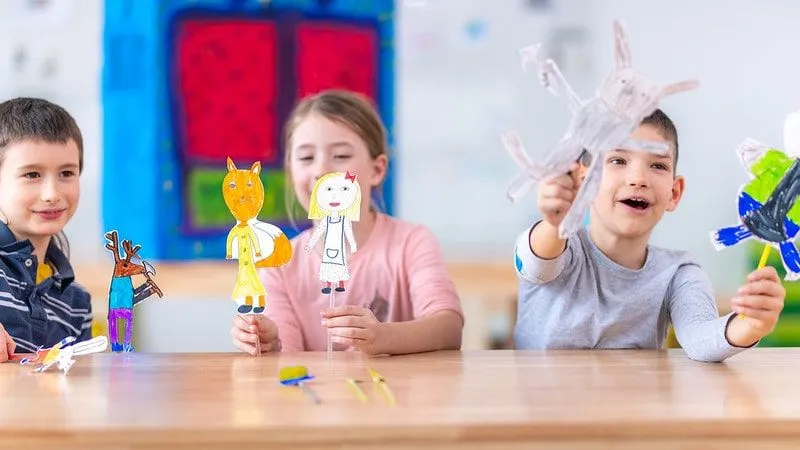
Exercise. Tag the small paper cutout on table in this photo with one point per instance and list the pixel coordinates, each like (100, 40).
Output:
(62, 354)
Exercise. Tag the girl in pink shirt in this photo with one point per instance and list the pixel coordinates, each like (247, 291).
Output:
(399, 298)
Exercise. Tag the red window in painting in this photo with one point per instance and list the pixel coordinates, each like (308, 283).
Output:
(227, 88)
(336, 55)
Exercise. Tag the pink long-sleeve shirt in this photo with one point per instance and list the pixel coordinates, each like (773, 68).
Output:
(399, 274)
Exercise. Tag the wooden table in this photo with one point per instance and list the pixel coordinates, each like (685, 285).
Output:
(487, 399)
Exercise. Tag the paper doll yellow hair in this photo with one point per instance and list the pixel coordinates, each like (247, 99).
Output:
(316, 212)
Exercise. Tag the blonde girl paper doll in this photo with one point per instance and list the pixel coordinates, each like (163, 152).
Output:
(335, 205)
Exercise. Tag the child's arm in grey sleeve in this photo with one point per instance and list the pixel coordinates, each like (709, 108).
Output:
(693, 312)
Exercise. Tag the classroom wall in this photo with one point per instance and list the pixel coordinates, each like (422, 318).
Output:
(458, 91)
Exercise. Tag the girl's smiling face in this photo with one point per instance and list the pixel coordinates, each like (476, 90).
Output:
(319, 146)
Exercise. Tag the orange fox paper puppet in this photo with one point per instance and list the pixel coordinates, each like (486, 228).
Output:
(254, 243)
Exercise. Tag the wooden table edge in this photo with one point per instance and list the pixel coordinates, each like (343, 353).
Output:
(707, 430)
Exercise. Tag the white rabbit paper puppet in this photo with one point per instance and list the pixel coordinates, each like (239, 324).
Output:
(599, 125)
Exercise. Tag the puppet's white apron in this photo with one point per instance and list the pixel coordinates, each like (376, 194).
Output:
(334, 265)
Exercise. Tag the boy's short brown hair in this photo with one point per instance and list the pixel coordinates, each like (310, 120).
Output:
(36, 119)
(661, 122)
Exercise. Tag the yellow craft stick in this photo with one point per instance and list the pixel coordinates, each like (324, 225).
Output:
(764, 256)
(359, 393)
(378, 380)
(761, 264)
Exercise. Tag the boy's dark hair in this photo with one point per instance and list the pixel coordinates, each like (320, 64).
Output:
(661, 122)
(38, 120)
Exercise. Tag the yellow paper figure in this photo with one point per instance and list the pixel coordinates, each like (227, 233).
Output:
(335, 203)
(254, 243)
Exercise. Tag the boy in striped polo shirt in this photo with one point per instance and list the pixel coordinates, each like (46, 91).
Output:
(41, 158)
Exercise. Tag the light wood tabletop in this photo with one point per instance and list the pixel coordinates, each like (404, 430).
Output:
(485, 399)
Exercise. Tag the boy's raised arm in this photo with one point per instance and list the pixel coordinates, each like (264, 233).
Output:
(539, 250)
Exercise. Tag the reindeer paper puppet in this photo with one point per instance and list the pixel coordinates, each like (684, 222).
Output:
(122, 296)
(62, 353)
(335, 203)
(768, 207)
(599, 125)
(254, 243)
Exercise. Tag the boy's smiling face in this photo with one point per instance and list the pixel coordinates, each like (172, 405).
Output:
(636, 189)
(40, 186)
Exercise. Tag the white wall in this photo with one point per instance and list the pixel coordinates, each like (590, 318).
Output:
(70, 37)
(455, 97)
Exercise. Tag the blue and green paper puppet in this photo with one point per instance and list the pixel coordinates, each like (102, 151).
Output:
(767, 204)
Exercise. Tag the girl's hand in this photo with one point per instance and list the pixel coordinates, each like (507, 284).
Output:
(247, 329)
(355, 326)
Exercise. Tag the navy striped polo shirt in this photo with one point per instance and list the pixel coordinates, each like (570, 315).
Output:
(40, 315)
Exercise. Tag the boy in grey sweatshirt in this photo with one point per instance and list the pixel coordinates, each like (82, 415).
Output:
(605, 287)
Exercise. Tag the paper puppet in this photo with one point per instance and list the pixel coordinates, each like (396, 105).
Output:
(37, 357)
(62, 353)
(335, 203)
(254, 243)
(122, 296)
(298, 376)
(767, 204)
(599, 125)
